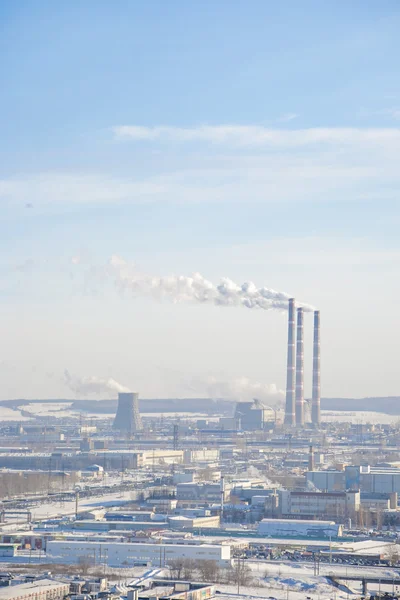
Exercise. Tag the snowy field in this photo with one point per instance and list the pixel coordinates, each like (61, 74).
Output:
(46, 510)
(358, 417)
(50, 409)
(8, 414)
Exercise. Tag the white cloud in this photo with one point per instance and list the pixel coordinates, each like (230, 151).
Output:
(246, 164)
(256, 135)
(285, 118)
(394, 113)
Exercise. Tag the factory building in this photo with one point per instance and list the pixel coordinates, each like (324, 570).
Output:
(42, 589)
(319, 504)
(363, 478)
(253, 416)
(130, 554)
(291, 528)
(204, 492)
(200, 455)
(181, 522)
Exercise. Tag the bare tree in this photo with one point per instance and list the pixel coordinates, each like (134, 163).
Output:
(393, 554)
(241, 573)
(189, 566)
(84, 564)
(176, 566)
(209, 570)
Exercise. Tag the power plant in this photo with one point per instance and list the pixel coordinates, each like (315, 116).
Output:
(294, 408)
(127, 419)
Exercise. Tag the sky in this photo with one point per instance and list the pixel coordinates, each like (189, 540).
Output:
(245, 140)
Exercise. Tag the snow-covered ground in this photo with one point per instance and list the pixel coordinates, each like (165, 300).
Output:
(8, 414)
(358, 417)
(283, 589)
(57, 509)
(50, 409)
(284, 569)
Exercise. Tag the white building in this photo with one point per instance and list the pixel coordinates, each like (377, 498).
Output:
(129, 554)
(298, 528)
(182, 522)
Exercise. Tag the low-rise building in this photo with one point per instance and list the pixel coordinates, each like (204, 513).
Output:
(117, 554)
(299, 528)
(207, 492)
(41, 589)
(181, 522)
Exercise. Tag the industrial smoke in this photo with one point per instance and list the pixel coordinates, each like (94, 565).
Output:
(195, 288)
(243, 389)
(93, 385)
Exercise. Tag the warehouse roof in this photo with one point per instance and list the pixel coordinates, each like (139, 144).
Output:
(23, 589)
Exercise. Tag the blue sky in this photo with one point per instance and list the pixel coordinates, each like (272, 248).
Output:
(251, 140)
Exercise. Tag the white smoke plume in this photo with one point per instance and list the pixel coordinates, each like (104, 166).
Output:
(195, 288)
(93, 385)
(243, 389)
(253, 473)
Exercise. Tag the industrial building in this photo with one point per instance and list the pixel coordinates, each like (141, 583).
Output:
(118, 553)
(182, 522)
(287, 528)
(254, 415)
(41, 589)
(352, 477)
(319, 504)
(206, 492)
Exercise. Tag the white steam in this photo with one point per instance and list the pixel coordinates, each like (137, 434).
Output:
(93, 385)
(182, 288)
(243, 389)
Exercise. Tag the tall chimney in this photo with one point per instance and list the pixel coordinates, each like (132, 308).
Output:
(300, 369)
(311, 461)
(316, 380)
(290, 416)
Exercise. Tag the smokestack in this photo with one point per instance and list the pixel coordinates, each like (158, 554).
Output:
(311, 462)
(290, 416)
(222, 490)
(316, 380)
(300, 369)
(127, 419)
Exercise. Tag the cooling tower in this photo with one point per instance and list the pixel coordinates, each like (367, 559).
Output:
(127, 420)
(290, 416)
(300, 369)
(316, 379)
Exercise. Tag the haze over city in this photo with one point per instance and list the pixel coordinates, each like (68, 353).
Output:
(253, 144)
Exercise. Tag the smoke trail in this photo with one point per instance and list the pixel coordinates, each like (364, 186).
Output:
(93, 385)
(241, 389)
(181, 288)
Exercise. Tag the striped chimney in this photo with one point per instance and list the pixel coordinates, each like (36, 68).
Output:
(290, 416)
(316, 379)
(300, 369)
